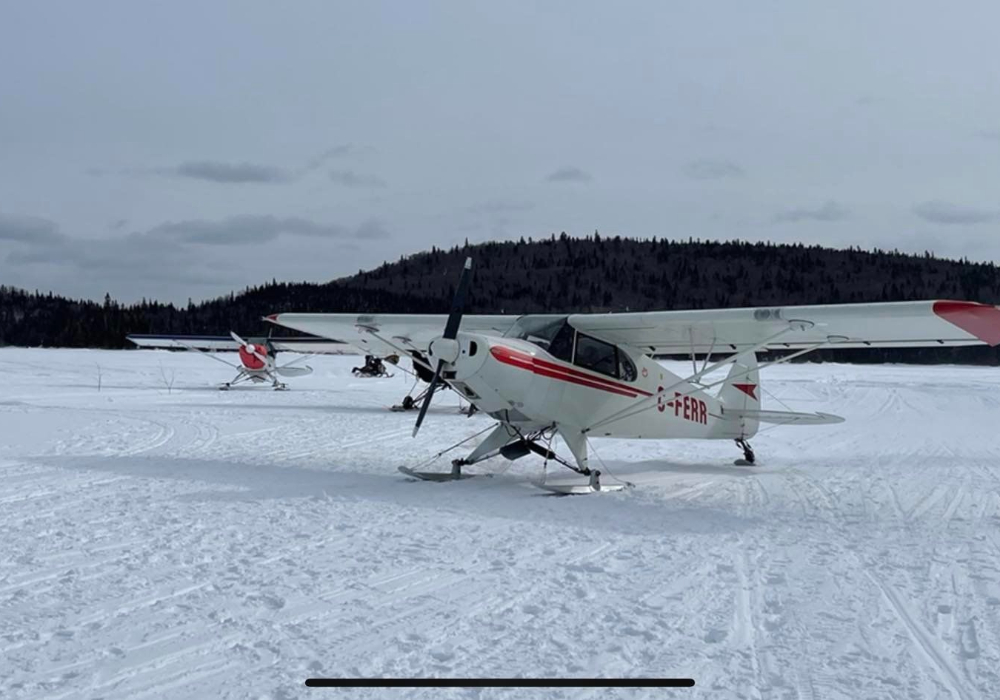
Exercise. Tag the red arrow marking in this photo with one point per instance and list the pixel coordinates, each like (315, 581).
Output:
(747, 389)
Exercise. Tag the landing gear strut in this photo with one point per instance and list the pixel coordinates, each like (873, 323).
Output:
(748, 455)
(410, 403)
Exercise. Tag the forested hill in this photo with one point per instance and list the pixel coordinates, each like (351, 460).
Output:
(619, 274)
(554, 274)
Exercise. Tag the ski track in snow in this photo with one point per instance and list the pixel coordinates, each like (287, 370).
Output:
(186, 542)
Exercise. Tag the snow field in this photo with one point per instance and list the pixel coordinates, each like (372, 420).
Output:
(180, 542)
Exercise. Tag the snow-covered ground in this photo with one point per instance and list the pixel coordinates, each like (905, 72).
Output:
(197, 543)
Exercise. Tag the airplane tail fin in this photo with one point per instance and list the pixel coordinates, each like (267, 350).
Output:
(741, 392)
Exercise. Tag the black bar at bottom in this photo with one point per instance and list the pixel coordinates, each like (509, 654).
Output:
(500, 682)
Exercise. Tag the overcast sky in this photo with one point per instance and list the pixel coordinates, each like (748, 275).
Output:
(183, 149)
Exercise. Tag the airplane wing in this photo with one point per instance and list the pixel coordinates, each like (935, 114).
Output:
(891, 324)
(183, 342)
(315, 346)
(408, 331)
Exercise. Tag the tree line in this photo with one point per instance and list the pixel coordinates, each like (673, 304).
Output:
(555, 274)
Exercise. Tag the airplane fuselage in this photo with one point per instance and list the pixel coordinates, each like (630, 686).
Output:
(518, 382)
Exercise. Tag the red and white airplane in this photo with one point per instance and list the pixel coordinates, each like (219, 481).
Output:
(257, 356)
(585, 376)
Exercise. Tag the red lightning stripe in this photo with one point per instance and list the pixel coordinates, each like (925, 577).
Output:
(544, 368)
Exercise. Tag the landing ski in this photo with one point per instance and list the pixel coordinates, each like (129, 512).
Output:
(575, 487)
(454, 475)
(578, 489)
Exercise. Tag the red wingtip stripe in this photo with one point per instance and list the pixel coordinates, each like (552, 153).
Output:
(980, 320)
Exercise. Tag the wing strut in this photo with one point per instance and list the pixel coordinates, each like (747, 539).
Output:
(708, 355)
(397, 348)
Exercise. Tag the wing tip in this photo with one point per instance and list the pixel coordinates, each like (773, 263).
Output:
(979, 320)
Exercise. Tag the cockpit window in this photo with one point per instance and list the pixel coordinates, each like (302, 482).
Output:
(626, 368)
(596, 355)
(561, 346)
(553, 335)
(563, 342)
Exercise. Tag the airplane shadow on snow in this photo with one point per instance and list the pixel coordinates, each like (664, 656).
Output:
(503, 496)
(323, 408)
(659, 466)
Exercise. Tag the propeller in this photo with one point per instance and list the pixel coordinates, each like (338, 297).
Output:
(249, 347)
(450, 333)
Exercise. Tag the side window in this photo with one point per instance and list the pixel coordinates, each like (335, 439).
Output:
(561, 346)
(626, 368)
(596, 355)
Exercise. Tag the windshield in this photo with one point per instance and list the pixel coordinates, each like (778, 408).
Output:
(551, 333)
(539, 330)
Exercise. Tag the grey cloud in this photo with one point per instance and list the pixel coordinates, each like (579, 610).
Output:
(238, 173)
(250, 229)
(226, 172)
(349, 178)
(172, 242)
(948, 213)
(342, 151)
(708, 169)
(989, 134)
(174, 253)
(28, 229)
(830, 211)
(569, 173)
(133, 253)
(130, 259)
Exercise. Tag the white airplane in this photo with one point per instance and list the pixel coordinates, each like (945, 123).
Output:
(257, 357)
(585, 376)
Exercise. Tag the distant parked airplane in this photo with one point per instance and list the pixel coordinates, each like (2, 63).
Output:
(257, 356)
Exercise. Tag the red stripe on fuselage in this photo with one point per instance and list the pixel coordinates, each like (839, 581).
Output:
(544, 368)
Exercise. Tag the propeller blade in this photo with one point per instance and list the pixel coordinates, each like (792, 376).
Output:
(249, 347)
(450, 332)
(458, 302)
(427, 398)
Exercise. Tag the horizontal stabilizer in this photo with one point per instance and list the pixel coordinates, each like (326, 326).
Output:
(782, 417)
(293, 371)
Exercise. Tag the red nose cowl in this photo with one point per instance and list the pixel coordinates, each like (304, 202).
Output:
(249, 360)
